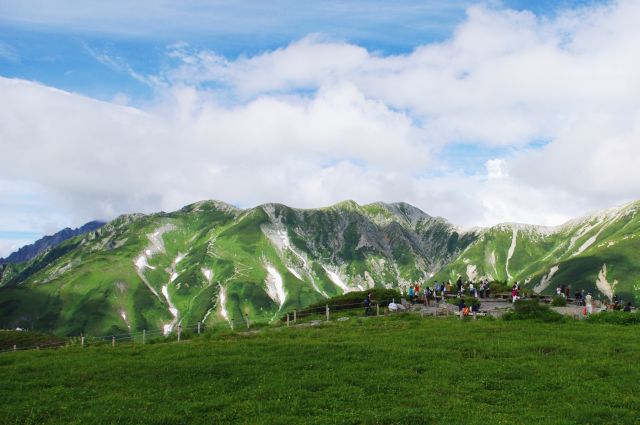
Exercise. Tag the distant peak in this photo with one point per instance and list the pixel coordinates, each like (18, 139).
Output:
(210, 204)
(348, 204)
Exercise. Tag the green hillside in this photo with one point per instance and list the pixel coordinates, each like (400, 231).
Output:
(211, 262)
(598, 253)
(399, 369)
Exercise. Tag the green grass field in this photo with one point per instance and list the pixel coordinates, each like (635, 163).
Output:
(400, 369)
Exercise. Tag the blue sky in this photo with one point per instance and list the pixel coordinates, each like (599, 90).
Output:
(56, 43)
(115, 107)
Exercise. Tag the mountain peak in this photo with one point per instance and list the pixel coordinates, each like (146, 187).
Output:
(30, 251)
(209, 204)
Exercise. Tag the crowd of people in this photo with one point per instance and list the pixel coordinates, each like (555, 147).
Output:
(441, 290)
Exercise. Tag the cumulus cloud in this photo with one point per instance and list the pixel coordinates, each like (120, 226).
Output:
(319, 121)
(101, 159)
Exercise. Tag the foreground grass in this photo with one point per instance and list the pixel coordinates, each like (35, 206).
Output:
(377, 370)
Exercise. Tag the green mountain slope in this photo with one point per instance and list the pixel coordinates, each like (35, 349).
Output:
(214, 263)
(600, 253)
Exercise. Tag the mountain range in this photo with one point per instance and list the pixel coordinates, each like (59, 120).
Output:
(214, 263)
(28, 252)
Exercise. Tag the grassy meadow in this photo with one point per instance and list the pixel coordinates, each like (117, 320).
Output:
(400, 369)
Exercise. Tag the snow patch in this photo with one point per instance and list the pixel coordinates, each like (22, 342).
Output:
(275, 286)
(369, 279)
(172, 309)
(294, 272)
(512, 249)
(278, 235)
(546, 280)
(492, 262)
(142, 263)
(333, 276)
(492, 259)
(208, 274)
(472, 272)
(223, 303)
(603, 285)
(586, 245)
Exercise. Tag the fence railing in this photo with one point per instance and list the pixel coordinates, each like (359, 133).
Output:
(145, 336)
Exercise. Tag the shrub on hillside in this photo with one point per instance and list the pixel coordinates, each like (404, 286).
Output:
(26, 339)
(615, 318)
(353, 299)
(532, 310)
(558, 301)
(499, 287)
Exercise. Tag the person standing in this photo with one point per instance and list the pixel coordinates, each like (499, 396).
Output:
(472, 291)
(411, 293)
(461, 307)
(588, 303)
(367, 304)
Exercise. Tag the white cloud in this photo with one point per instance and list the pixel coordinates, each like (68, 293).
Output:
(102, 159)
(495, 168)
(319, 121)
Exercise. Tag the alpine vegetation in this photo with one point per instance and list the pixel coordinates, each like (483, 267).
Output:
(213, 263)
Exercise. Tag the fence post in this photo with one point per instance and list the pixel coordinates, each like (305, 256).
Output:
(15, 348)
(144, 336)
(287, 319)
(248, 324)
(295, 316)
(113, 340)
(179, 332)
(378, 309)
(198, 328)
(327, 311)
